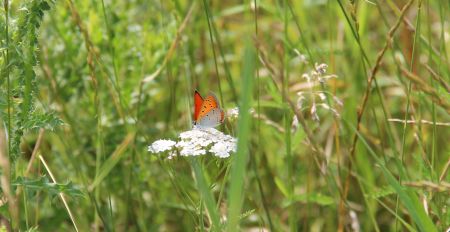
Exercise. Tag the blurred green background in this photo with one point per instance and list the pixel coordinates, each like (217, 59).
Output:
(101, 80)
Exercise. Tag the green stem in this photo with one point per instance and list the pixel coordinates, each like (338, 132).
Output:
(408, 102)
(208, 18)
(238, 168)
(206, 194)
(8, 85)
(287, 124)
(255, 159)
(6, 7)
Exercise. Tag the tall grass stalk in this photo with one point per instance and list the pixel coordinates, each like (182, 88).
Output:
(287, 121)
(5, 183)
(362, 107)
(7, 152)
(6, 71)
(211, 38)
(91, 55)
(255, 159)
(61, 195)
(408, 94)
(239, 162)
(225, 62)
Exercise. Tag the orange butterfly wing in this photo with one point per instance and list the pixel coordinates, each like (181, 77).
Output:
(198, 102)
(208, 104)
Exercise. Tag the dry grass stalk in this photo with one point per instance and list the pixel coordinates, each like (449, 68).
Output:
(424, 87)
(428, 185)
(93, 57)
(32, 158)
(438, 78)
(419, 122)
(61, 195)
(362, 107)
(445, 170)
(35, 151)
(5, 179)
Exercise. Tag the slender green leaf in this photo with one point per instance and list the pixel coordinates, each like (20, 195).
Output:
(207, 196)
(109, 164)
(239, 163)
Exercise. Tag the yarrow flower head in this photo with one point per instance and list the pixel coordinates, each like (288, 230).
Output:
(195, 142)
(161, 145)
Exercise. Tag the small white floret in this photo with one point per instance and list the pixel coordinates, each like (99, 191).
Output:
(161, 145)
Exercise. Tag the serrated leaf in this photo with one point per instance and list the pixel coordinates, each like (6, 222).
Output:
(48, 121)
(42, 183)
(44, 6)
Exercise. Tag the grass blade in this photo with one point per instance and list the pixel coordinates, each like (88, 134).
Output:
(239, 162)
(109, 164)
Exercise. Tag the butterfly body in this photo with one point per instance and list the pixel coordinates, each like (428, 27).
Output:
(207, 112)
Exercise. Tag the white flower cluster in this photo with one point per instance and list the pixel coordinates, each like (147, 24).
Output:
(198, 141)
(161, 145)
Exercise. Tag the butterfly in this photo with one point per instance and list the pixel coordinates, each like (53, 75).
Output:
(207, 112)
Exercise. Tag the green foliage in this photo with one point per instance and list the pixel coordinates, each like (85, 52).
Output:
(107, 78)
(406, 195)
(19, 87)
(44, 184)
(37, 120)
(22, 60)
